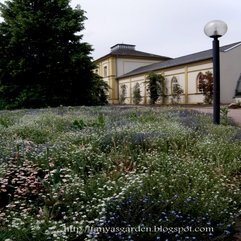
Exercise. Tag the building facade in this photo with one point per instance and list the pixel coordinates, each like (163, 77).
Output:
(122, 59)
(120, 70)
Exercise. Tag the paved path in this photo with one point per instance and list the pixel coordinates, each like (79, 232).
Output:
(234, 114)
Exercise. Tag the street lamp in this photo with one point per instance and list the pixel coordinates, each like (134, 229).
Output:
(215, 29)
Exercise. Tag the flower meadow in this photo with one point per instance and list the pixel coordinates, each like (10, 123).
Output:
(118, 173)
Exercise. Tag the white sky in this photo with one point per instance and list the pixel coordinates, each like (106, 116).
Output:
(166, 27)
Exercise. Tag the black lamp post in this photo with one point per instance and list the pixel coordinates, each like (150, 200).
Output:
(215, 29)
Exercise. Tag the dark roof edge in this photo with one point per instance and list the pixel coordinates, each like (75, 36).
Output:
(235, 45)
(186, 59)
(133, 56)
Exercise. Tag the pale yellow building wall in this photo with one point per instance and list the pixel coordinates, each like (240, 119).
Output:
(173, 71)
(186, 76)
(230, 70)
(200, 66)
(109, 77)
(125, 65)
(117, 66)
(130, 83)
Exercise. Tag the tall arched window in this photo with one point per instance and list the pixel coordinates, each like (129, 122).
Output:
(176, 91)
(174, 84)
(199, 77)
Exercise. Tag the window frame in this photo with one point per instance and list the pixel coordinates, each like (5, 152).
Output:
(105, 71)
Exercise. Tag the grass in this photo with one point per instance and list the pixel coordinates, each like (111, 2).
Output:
(118, 168)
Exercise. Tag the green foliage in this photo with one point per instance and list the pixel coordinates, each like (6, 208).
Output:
(123, 94)
(137, 94)
(117, 167)
(98, 94)
(81, 124)
(100, 120)
(157, 87)
(43, 60)
(224, 114)
(205, 85)
(6, 119)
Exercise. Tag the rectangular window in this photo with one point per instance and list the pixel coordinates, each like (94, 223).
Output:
(105, 71)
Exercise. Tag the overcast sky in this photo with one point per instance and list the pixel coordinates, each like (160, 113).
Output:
(166, 27)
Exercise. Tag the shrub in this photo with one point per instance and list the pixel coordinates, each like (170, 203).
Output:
(123, 94)
(206, 86)
(157, 87)
(137, 94)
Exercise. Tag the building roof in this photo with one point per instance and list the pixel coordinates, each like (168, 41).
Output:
(128, 50)
(204, 55)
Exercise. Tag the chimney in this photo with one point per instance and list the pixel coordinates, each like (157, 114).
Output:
(122, 47)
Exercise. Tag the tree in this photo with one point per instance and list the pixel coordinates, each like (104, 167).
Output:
(98, 92)
(43, 61)
(137, 94)
(205, 85)
(157, 87)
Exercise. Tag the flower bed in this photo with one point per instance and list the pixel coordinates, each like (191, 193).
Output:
(117, 173)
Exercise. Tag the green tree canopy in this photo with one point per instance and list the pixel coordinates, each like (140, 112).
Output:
(43, 59)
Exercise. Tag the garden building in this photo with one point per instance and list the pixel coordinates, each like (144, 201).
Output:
(126, 67)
